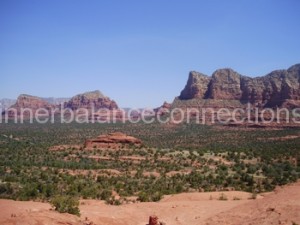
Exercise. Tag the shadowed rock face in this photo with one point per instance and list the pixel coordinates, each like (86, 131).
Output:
(196, 86)
(278, 88)
(91, 99)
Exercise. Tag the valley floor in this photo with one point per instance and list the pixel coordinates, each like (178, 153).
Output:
(279, 207)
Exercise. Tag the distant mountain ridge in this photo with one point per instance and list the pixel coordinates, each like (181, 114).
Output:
(280, 88)
(56, 101)
(5, 103)
(85, 100)
(225, 88)
(26, 101)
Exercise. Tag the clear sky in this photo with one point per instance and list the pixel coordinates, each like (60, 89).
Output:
(140, 52)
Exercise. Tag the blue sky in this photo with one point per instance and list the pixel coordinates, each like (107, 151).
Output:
(139, 52)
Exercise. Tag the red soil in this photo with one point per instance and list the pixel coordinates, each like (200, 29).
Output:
(279, 207)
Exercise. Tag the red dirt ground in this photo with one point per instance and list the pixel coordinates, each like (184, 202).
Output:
(279, 207)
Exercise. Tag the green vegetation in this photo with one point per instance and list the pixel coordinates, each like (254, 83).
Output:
(174, 159)
(66, 204)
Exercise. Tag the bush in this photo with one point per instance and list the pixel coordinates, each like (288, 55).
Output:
(105, 195)
(66, 204)
(5, 188)
(156, 196)
(150, 197)
(143, 197)
(223, 197)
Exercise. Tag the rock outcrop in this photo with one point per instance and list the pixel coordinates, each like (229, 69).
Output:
(153, 220)
(89, 100)
(196, 87)
(164, 109)
(112, 141)
(27, 104)
(277, 89)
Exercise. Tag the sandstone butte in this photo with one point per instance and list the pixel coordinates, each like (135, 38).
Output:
(226, 87)
(88, 100)
(27, 102)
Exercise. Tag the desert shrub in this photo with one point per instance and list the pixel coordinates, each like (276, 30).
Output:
(143, 197)
(150, 197)
(156, 196)
(66, 204)
(28, 192)
(223, 197)
(28, 171)
(105, 195)
(113, 201)
(6, 190)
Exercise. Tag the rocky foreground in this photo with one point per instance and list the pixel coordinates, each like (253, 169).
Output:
(279, 207)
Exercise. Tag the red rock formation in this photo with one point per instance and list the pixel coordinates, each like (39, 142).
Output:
(89, 100)
(153, 220)
(225, 84)
(112, 141)
(162, 110)
(277, 89)
(196, 86)
(26, 104)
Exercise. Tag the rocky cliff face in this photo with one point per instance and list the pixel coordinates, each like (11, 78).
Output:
(225, 84)
(196, 86)
(278, 88)
(89, 100)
